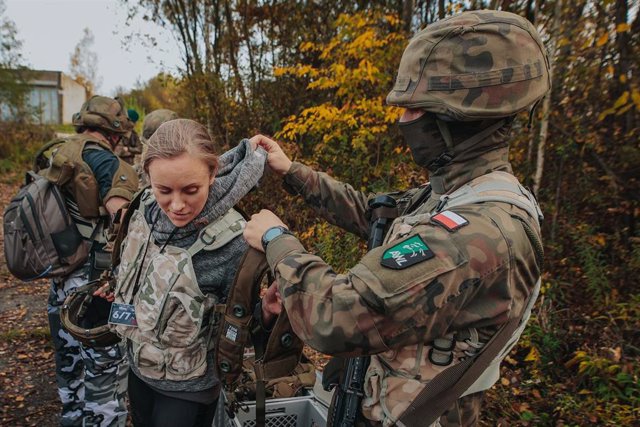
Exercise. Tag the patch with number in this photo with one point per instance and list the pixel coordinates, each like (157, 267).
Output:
(449, 220)
(406, 253)
(123, 314)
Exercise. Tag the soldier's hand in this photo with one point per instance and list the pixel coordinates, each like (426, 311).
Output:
(276, 158)
(257, 225)
(271, 304)
(105, 292)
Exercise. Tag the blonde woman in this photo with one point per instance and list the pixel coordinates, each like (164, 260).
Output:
(183, 246)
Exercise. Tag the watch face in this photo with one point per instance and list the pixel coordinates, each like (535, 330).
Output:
(272, 233)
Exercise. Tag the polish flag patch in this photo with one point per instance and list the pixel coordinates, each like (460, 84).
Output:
(449, 220)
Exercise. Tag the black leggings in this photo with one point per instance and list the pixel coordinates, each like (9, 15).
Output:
(152, 409)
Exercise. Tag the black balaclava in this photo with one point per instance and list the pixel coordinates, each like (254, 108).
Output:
(425, 140)
(436, 141)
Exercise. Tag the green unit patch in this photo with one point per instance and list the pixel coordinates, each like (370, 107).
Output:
(406, 253)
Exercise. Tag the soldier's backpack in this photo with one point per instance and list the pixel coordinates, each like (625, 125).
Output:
(40, 238)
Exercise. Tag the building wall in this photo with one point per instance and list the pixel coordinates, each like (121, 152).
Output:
(73, 96)
(54, 97)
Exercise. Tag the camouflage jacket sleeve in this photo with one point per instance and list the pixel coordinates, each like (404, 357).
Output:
(337, 202)
(474, 277)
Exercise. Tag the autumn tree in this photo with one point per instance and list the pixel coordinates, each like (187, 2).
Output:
(83, 63)
(13, 73)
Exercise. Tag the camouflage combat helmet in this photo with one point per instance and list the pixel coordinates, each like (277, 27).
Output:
(85, 316)
(477, 65)
(153, 120)
(103, 113)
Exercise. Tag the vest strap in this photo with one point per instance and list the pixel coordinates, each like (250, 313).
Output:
(470, 194)
(219, 233)
(470, 376)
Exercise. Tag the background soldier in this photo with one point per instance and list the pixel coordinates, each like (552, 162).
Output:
(130, 145)
(151, 123)
(91, 381)
(463, 257)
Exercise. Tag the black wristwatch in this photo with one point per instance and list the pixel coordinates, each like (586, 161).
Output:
(272, 233)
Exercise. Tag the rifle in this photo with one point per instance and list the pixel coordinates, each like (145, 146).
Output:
(345, 406)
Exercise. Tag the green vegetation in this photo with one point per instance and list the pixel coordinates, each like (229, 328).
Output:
(18, 145)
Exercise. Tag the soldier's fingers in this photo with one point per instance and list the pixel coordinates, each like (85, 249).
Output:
(254, 141)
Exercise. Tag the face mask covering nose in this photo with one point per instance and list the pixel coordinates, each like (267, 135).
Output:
(423, 137)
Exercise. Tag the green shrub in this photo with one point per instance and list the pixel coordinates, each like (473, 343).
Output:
(19, 143)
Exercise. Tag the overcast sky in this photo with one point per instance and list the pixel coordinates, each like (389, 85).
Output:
(50, 30)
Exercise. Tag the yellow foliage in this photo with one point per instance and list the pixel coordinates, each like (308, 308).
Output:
(635, 96)
(533, 355)
(622, 100)
(602, 40)
(623, 28)
(351, 127)
(308, 46)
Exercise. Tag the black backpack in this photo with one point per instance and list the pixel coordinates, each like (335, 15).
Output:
(40, 238)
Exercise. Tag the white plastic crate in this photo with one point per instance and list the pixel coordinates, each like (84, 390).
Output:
(303, 411)
(310, 410)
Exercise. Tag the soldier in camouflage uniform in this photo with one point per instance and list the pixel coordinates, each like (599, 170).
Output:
(463, 256)
(91, 381)
(151, 123)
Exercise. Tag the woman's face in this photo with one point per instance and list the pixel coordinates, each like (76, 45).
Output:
(181, 186)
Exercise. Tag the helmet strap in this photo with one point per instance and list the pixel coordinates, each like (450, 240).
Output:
(445, 132)
(446, 157)
(470, 142)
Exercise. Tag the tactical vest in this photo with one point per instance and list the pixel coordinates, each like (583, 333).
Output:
(455, 347)
(61, 162)
(175, 320)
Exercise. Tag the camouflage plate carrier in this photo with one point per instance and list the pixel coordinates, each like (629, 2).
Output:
(175, 320)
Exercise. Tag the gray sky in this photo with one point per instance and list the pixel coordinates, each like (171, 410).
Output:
(50, 30)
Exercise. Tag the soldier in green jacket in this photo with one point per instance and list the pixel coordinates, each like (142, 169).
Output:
(462, 258)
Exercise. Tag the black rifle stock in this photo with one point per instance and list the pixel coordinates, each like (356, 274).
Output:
(349, 393)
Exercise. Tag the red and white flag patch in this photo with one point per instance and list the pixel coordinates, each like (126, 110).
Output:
(449, 220)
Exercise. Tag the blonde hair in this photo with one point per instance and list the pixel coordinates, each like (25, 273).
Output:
(177, 137)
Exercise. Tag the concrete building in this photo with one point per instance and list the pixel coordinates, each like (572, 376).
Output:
(54, 96)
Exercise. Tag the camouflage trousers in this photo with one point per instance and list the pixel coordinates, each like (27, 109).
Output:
(92, 382)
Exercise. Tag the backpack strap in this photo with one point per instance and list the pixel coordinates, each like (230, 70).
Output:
(42, 158)
(219, 233)
(122, 221)
(283, 349)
